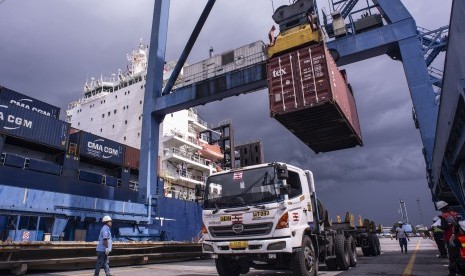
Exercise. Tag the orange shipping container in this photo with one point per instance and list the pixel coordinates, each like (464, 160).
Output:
(311, 98)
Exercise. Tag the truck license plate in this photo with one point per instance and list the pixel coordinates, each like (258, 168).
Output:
(238, 244)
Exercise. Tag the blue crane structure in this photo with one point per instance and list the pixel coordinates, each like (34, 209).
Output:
(399, 37)
(441, 126)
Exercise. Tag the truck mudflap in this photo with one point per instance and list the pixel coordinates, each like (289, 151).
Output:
(275, 245)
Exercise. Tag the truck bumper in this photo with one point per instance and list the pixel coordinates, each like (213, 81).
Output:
(279, 245)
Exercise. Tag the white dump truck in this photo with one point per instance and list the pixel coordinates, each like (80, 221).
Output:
(268, 217)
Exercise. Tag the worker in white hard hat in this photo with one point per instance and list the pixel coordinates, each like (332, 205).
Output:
(402, 236)
(438, 235)
(104, 247)
(448, 222)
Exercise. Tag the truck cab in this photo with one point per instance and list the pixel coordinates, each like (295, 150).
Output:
(261, 216)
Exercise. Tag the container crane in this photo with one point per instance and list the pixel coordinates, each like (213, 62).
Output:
(386, 29)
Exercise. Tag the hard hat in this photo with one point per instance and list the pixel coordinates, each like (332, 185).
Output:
(441, 204)
(436, 218)
(462, 224)
(400, 222)
(106, 219)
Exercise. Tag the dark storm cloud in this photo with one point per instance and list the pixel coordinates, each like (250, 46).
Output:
(50, 47)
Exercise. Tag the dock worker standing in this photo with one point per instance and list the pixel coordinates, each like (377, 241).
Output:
(438, 235)
(104, 247)
(402, 237)
(448, 222)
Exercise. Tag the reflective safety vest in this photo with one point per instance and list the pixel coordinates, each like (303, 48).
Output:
(461, 239)
(451, 218)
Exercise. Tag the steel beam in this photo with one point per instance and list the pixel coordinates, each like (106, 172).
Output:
(187, 50)
(421, 92)
(453, 183)
(373, 43)
(245, 80)
(393, 11)
(148, 173)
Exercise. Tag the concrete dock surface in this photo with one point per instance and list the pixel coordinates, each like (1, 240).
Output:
(421, 259)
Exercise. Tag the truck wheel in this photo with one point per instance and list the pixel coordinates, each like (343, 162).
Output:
(227, 267)
(377, 245)
(350, 243)
(342, 252)
(304, 261)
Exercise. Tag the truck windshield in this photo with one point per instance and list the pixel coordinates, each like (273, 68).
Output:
(241, 188)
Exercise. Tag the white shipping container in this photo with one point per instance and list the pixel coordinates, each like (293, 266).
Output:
(225, 62)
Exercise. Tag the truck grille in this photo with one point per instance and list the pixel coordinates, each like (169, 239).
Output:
(249, 230)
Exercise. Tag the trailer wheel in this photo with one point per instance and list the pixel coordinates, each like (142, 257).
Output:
(304, 261)
(227, 267)
(350, 242)
(366, 251)
(377, 245)
(342, 252)
(371, 250)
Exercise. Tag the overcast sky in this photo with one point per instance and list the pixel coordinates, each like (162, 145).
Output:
(50, 47)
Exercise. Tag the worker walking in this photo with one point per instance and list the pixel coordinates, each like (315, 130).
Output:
(402, 237)
(438, 235)
(104, 247)
(448, 221)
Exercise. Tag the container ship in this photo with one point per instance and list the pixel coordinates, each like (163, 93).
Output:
(59, 177)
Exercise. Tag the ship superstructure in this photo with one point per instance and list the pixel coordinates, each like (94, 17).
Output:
(112, 108)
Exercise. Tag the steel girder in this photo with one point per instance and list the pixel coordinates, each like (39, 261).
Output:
(148, 173)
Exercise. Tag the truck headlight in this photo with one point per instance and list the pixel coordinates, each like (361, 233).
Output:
(283, 221)
(207, 247)
(277, 246)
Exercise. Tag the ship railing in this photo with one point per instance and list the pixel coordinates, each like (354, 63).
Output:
(193, 114)
(185, 174)
(182, 136)
(134, 185)
(191, 156)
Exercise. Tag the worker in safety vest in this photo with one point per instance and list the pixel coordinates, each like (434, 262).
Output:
(457, 242)
(448, 220)
(438, 235)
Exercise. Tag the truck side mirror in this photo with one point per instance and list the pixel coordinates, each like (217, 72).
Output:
(199, 193)
(282, 172)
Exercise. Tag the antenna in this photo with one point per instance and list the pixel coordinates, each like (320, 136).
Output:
(211, 51)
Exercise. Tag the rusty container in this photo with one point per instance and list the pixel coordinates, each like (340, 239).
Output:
(312, 98)
(131, 158)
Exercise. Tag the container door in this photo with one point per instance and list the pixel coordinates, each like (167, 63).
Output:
(313, 76)
(284, 90)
